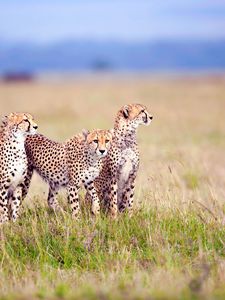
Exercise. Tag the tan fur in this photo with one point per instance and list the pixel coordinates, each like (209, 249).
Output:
(116, 182)
(71, 164)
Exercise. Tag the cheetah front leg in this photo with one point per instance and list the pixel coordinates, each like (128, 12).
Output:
(87, 197)
(95, 202)
(113, 206)
(73, 199)
(128, 194)
(26, 183)
(4, 211)
(15, 203)
(52, 201)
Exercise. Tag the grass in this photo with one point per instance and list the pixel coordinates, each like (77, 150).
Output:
(174, 245)
(155, 254)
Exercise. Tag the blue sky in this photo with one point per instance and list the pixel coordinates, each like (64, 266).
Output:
(44, 21)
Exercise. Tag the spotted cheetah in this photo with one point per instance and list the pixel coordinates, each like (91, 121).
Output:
(13, 161)
(116, 182)
(71, 164)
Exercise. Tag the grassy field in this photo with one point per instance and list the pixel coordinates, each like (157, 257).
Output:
(174, 245)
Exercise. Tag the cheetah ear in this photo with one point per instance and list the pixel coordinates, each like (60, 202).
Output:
(125, 111)
(85, 133)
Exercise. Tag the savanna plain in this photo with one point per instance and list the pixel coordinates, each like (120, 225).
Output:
(174, 245)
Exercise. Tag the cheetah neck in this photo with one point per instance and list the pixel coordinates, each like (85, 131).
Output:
(16, 137)
(125, 136)
(19, 137)
(15, 141)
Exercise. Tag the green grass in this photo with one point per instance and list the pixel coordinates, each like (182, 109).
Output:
(55, 257)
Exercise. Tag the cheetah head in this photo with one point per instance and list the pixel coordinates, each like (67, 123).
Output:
(22, 123)
(134, 115)
(98, 141)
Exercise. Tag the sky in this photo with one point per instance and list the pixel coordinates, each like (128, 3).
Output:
(47, 21)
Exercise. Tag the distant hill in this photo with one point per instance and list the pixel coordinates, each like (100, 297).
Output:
(75, 56)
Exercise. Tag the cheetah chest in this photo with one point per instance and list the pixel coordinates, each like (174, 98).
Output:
(127, 164)
(91, 173)
(18, 166)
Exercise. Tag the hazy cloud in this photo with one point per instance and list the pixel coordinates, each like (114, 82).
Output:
(48, 20)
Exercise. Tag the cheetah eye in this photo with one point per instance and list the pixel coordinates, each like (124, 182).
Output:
(107, 141)
(95, 141)
(142, 110)
(26, 120)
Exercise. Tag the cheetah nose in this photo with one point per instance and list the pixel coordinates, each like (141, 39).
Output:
(35, 127)
(102, 151)
(150, 117)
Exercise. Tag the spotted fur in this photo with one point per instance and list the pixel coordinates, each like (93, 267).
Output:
(13, 161)
(71, 164)
(116, 182)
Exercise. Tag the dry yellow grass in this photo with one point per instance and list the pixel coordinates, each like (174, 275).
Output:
(183, 147)
(182, 161)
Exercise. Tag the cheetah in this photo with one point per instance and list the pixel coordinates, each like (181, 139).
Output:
(116, 182)
(13, 161)
(71, 164)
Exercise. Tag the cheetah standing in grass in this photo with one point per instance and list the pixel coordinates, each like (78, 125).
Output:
(71, 164)
(13, 161)
(115, 184)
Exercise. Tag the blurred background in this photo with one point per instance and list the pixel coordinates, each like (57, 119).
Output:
(67, 37)
(73, 64)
